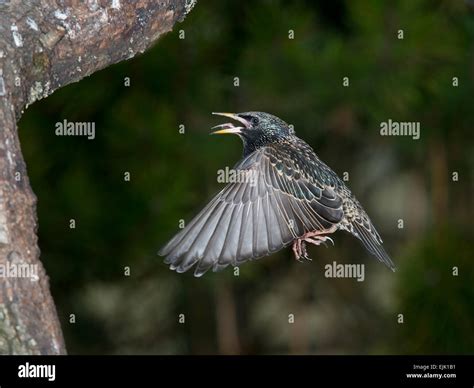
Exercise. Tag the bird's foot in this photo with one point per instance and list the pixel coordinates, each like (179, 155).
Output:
(316, 238)
(299, 249)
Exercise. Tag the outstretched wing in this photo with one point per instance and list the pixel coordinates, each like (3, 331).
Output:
(273, 202)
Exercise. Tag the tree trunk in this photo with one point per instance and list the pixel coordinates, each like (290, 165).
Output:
(44, 46)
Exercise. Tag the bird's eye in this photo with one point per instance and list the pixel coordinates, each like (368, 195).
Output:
(252, 120)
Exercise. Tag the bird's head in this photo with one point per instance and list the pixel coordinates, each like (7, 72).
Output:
(256, 129)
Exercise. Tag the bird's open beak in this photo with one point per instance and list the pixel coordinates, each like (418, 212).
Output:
(229, 127)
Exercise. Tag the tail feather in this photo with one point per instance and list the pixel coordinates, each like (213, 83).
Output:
(372, 242)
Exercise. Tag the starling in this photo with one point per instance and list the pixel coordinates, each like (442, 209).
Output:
(285, 195)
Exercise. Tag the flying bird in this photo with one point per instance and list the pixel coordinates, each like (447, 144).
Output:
(285, 195)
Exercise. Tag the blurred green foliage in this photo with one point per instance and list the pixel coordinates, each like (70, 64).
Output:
(122, 224)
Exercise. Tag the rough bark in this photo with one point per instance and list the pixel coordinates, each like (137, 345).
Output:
(44, 45)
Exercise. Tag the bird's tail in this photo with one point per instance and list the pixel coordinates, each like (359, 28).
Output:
(373, 243)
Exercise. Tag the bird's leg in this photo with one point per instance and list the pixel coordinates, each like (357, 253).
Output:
(316, 238)
(296, 249)
(299, 249)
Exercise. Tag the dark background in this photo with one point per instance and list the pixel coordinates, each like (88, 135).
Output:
(181, 81)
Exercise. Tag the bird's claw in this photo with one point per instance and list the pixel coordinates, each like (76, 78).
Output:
(330, 239)
(299, 249)
(305, 252)
(318, 240)
(299, 245)
(305, 257)
(325, 238)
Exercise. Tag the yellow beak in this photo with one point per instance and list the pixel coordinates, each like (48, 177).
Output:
(226, 130)
(228, 127)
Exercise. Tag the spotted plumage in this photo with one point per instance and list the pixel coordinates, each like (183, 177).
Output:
(293, 198)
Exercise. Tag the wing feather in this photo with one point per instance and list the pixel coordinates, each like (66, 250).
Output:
(252, 218)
